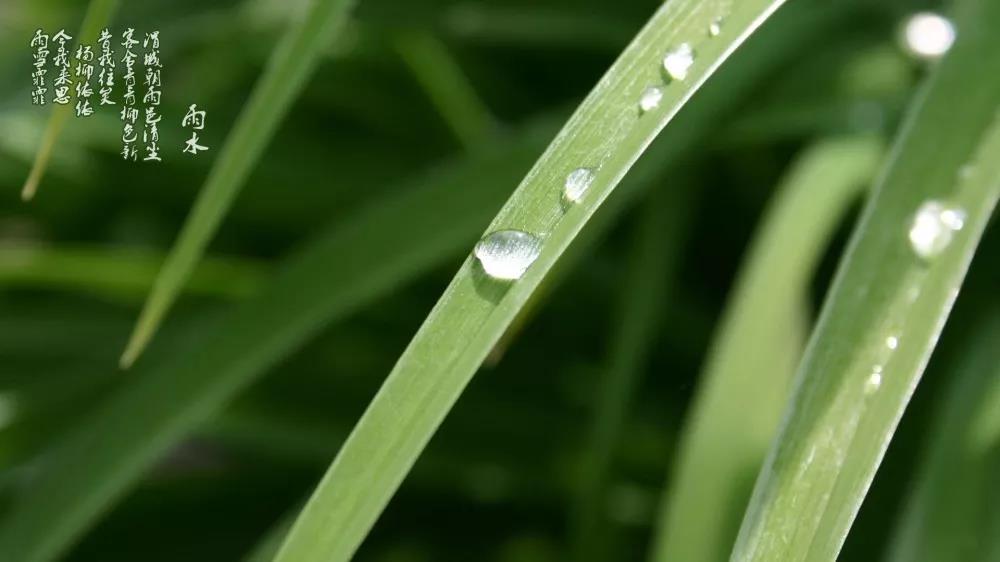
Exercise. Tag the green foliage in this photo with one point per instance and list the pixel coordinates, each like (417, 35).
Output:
(750, 365)
(373, 151)
(291, 65)
(884, 313)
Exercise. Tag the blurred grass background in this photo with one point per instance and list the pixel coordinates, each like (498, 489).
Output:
(76, 263)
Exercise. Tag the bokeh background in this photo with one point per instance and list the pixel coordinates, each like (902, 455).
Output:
(406, 91)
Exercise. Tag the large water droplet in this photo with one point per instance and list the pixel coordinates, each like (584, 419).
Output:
(927, 35)
(892, 342)
(677, 62)
(933, 227)
(577, 183)
(715, 28)
(507, 254)
(650, 99)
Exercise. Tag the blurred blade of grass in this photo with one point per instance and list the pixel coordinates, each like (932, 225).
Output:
(99, 14)
(289, 68)
(948, 515)
(885, 310)
(119, 273)
(658, 241)
(100, 458)
(606, 134)
(446, 85)
(736, 410)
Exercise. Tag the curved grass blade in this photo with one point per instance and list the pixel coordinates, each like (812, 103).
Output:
(949, 515)
(99, 13)
(606, 134)
(659, 239)
(748, 371)
(102, 457)
(886, 309)
(290, 66)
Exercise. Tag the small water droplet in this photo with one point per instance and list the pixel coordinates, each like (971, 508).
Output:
(927, 35)
(966, 171)
(677, 62)
(715, 28)
(507, 254)
(933, 227)
(892, 342)
(874, 381)
(577, 183)
(650, 99)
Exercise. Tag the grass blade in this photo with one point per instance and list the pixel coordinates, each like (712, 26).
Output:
(121, 273)
(948, 516)
(445, 83)
(737, 408)
(656, 251)
(286, 74)
(885, 311)
(104, 456)
(606, 134)
(99, 13)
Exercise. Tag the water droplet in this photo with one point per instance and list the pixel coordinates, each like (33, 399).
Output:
(715, 28)
(677, 62)
(892, 342)
(577, 183)
(650, 99)
(874, 381)
(966, 171)
(507, 254)
(933, 227)
(927, 35)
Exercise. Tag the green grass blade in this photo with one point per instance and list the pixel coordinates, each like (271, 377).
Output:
(737, 408)
(656, 251)
(948, 516)
(99, 13)
(607, 133)
(885, 311)
(104, 456)
(120, 273)
(287, 72)
(447, 86)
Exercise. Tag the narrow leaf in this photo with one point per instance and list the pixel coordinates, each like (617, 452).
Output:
(99, 13)
(890, 299)
(749, 369)
(606, 135)
(288, 70)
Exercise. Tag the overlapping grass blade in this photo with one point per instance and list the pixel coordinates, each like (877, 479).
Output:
(102, 457)
(99, 13)
(749, 369)
(607, 134)
(290, 66)
(954, 505)
(885, 311)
